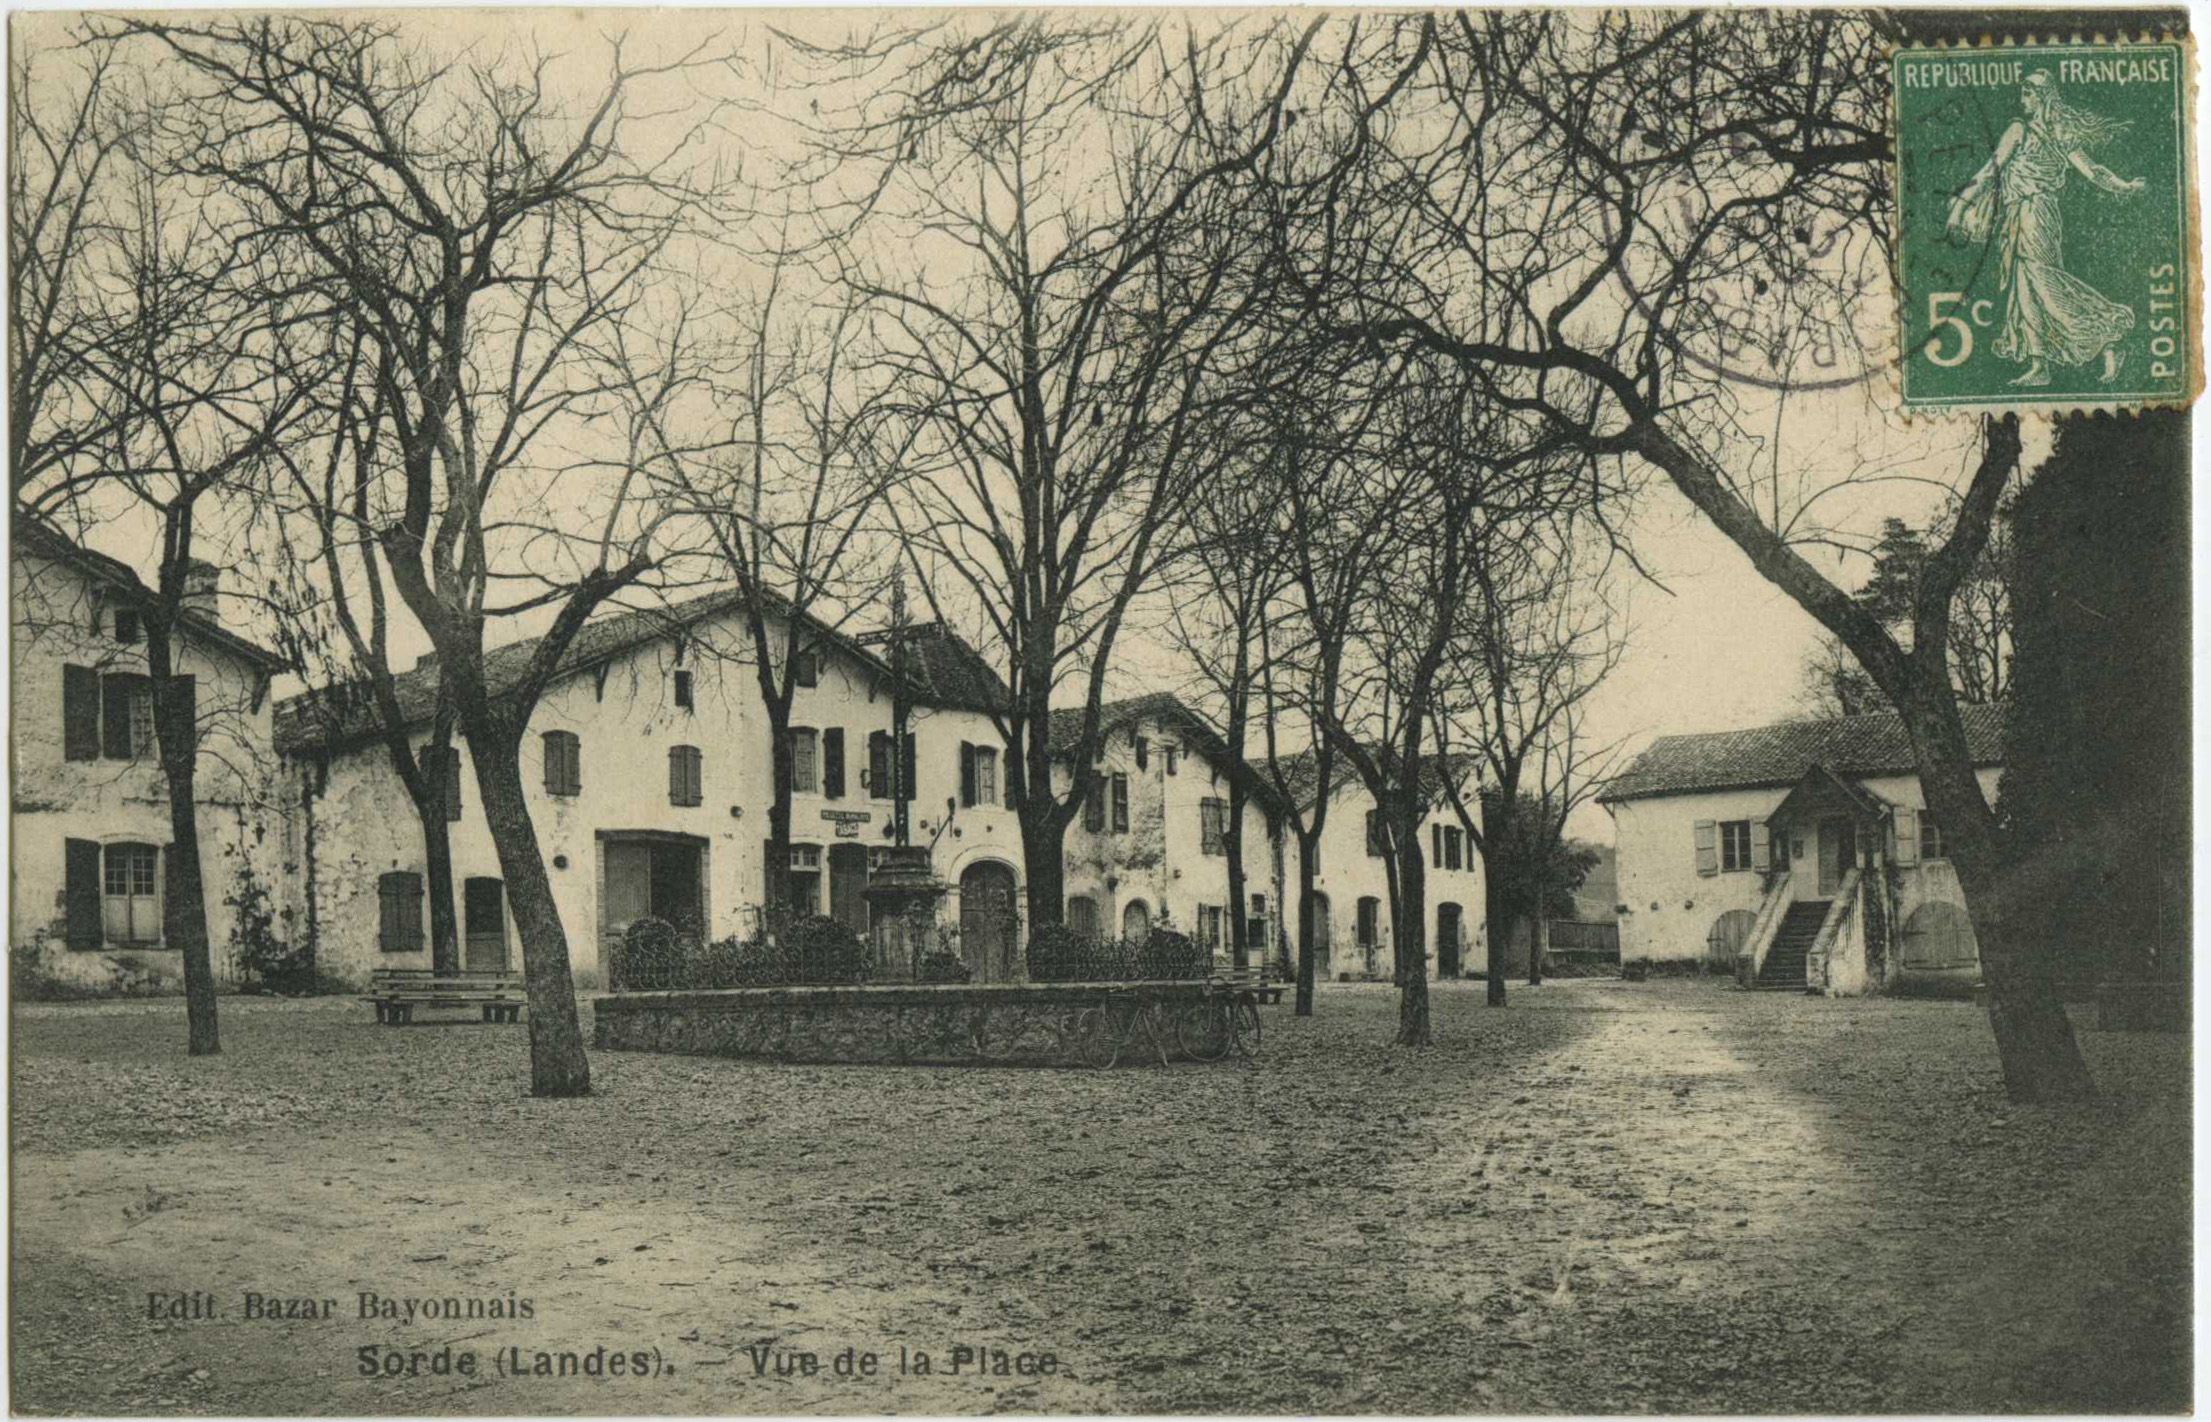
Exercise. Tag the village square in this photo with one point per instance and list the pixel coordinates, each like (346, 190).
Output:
(955, 713)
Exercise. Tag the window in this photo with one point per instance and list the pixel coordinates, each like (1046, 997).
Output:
(906, 768)
(1212, 826)
(1370, 922)
(130, 907)
(684, 775)
(1435, 846)
(1120, 804)
(1209, 927)
(805, 779)
(806, 669)
(563, 763)
(1930, 837)
(683, 689)
(832, 763)
(1082, 916)
(1453, 842)
(978, 775)
(399, 912)
(1734, 845)
(1377, 841)
(126, 716)
(1174, 753)
(1093, 808)
(126, 625)
(1255, 926)
(80, 713)
(452, 784)
(1143, 753)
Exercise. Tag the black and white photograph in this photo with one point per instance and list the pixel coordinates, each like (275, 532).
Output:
(1101, 712)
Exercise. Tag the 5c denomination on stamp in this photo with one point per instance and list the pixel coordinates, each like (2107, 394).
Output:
(2043, 214)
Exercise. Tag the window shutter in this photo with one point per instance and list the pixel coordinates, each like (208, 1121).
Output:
(80, 713)
(1708, 848)
(81, 892)
(575, 764)
(832, 762)
(1761, 846)
(698, 775)
(675, 775)
(879, 765)
(1093, 808)
(452, 784)
(967, 774)
(1904, 823)
(115, 715)
(1435, 844)
(906, 767)
(1120, 804)
(555, 774)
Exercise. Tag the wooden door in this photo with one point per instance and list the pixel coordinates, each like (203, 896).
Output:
(1324, 938)
(1448, 918)
(848, 881)
(987, 922)
(629, 891)
(1837, 850)
(484, 925)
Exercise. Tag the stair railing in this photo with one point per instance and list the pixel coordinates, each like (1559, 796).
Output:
(1768, 924)
(1839, 911)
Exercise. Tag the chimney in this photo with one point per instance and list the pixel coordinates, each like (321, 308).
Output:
(203, 585)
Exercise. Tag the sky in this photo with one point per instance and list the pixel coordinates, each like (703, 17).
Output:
(1712, 645)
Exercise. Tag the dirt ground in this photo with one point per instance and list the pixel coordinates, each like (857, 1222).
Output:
(1608, 1197)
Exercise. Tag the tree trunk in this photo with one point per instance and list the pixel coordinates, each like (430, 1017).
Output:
(1307, 848)
(1237, 947)
(1497, 923)
(2034, 1037)
(437, 855)
(1408, 939)
(776, 886)
(1539, 943)
(184, 890)
(1043, 853)
(558, 1066)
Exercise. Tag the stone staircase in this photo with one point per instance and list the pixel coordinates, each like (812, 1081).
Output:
(1783, 970)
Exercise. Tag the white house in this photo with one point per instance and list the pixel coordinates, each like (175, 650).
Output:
(91, 808)
(654, 794)
(1804, 845)
(1351, 939)
(1150, 847)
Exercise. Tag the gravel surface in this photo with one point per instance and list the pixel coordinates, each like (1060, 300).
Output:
(1606, 1197)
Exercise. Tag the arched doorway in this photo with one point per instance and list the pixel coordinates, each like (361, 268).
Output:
(1730, 936)
(1939, 935)
(1136, 922)
(988, 921)
(1448, 918)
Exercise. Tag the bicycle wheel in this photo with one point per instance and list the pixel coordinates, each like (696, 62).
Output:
(1205, 1031)
(1096, 1043)
(1243, 1019)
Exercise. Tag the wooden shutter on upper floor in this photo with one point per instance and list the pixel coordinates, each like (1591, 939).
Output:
(832, 762)
(1904, 824)
(1093, 807)
(1761, 846)
(81, 893)
(80, 713)
(879, 765)
(967, 773)
(1708, 847)
(1435, 845)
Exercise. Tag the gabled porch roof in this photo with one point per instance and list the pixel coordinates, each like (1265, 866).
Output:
(1822, 791)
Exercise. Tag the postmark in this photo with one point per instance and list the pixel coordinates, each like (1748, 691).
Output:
(2044, 212)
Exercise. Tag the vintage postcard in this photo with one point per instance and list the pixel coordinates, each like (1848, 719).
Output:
(1075, 712)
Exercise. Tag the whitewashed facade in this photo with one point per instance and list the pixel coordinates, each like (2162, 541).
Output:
(90, 841)
(1353, 923)
(1718, 835)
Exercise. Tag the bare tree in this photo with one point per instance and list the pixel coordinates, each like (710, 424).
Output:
(1614, 186)
(482, 242)
(1062, 332)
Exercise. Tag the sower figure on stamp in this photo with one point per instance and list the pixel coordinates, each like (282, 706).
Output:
(2050, 314)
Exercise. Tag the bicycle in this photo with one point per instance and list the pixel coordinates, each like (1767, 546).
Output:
(1225, 1020)
(1118, 1021)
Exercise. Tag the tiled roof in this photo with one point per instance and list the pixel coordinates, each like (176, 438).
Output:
(345, 712)
(1780, 755)
(40, 538)
(944, 670)
(1166, 707)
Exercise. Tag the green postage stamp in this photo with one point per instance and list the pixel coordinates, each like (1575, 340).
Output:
(2044, 213)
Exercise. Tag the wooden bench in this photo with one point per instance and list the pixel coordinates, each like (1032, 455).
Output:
(397, 992)
(1256, 982)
